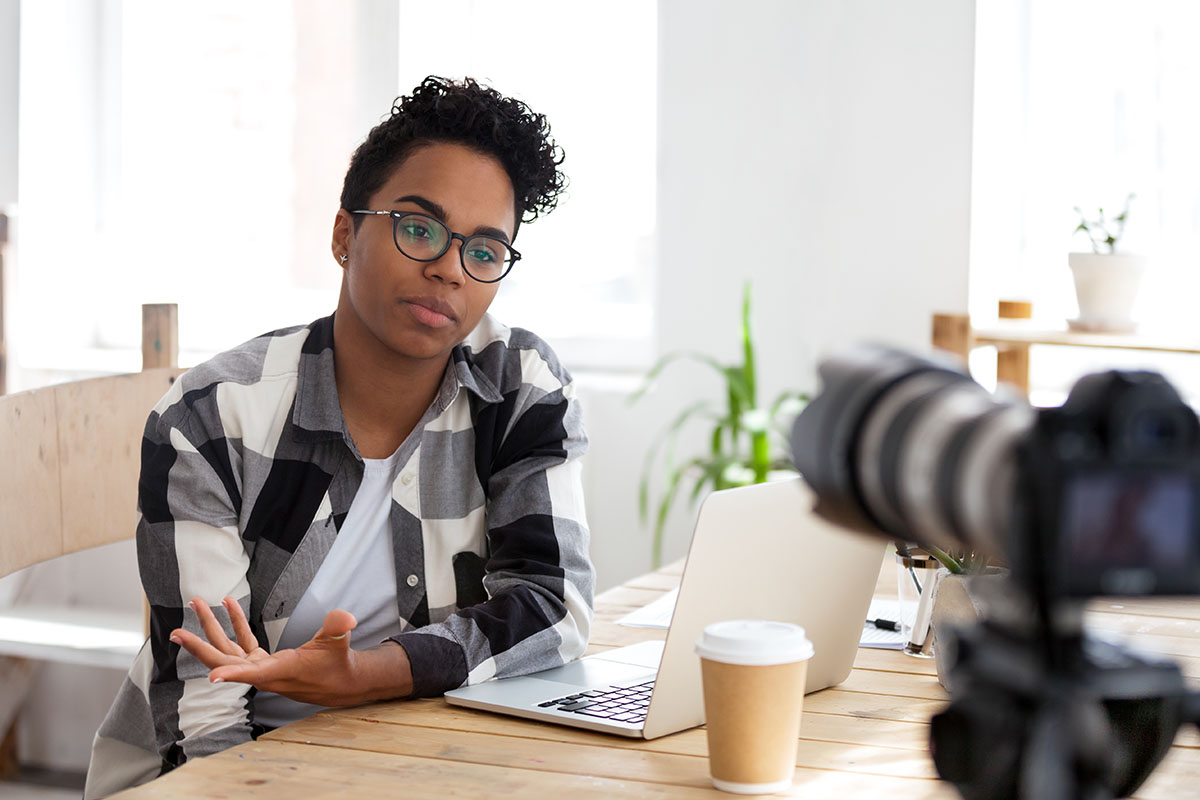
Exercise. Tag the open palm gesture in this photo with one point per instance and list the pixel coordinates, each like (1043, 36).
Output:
(322, 670)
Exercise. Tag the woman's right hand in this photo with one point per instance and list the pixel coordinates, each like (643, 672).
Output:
(324, 670)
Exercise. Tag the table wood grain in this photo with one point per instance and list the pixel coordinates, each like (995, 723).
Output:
(867, 737)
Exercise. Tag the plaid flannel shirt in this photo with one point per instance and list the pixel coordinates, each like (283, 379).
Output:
(248, 472)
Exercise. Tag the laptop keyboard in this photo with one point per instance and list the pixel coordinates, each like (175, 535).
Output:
(618, 703)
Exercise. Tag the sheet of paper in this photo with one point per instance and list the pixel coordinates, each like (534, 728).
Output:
(653, 615)
(658, 615)
(882, 608)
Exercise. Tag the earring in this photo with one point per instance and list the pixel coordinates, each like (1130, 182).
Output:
(343, 258)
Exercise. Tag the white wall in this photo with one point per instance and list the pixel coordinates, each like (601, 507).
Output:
(819, 149)
(10, 61)
(839, 135)
(10, 71)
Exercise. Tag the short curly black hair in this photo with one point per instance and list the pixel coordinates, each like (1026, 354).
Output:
(468, 113)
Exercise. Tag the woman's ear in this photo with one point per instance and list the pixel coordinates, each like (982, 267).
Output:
(343, 236)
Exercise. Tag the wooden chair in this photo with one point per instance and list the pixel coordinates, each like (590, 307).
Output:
(68, 482)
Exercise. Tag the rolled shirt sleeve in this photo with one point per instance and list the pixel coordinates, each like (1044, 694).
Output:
(538, 576)
(189, 546)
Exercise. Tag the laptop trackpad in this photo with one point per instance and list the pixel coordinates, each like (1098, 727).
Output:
(594, 671)
(643, 654)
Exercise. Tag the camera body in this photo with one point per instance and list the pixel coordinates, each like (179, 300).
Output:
(1107, 489)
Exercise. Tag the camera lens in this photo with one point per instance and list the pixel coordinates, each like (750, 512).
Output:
(883, 446)
(943, 442)
(909, 446)
(827, 436)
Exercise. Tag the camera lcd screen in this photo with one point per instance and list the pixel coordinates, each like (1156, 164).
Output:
(1128, 532)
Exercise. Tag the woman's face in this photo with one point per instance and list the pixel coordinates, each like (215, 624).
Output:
(421, 310)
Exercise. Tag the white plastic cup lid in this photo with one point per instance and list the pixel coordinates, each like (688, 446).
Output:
(754, 642)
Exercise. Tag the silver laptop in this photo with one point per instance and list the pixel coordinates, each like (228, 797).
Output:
(758, 552)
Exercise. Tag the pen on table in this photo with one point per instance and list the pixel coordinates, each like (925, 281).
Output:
(885, 624)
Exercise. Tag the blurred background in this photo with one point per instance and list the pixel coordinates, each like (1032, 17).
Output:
(861, 163)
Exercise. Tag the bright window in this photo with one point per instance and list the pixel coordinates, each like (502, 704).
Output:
(585, 282)
(194, 153)
(1078, 103)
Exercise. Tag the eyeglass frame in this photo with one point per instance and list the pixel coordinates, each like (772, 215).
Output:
(399, 215)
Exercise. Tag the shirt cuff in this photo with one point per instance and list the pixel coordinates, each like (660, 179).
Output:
(437, 663)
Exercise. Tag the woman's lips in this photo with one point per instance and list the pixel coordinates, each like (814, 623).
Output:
(433, 313)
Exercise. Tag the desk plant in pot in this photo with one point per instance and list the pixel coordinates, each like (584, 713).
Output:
(959, 593)
(747, 443)
(1106, 281)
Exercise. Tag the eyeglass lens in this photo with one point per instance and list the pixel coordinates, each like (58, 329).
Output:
(425, 239)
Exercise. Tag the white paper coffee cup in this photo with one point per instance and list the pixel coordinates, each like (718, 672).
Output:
(754, 673)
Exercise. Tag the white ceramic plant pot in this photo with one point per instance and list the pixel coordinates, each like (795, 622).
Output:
(958, 602)
(1106, 285)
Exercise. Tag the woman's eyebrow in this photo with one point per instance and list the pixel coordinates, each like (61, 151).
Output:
(436, 210)
(428, 205)
(495, 233)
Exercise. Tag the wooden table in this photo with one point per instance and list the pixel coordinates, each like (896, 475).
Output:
(865, 738)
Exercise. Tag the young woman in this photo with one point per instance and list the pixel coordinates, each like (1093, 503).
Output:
(385, 503)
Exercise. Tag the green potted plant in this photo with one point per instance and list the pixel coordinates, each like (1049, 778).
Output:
(956, 596)
(957, 563)
(1106, 281)
(747, 442)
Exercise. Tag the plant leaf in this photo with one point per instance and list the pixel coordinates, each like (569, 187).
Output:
(948, 561)
(735, 383)
(785, 396)
(734, 401)
(666, 361)
(711, 473)
(643, 498)
(664, 507)
(667, 437)
(748, 367)
(760, 455)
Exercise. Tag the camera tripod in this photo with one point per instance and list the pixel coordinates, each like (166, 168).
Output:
(1052, 714)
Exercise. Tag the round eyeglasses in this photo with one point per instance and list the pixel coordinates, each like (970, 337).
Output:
(425, 238)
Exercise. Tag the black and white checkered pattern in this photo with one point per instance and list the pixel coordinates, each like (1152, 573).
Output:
(248, 472)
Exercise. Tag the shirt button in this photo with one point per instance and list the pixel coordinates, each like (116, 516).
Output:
(413, 580)
(406, 478)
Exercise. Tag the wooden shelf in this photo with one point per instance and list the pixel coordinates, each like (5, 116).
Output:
(1014, 333)
(1027, 332)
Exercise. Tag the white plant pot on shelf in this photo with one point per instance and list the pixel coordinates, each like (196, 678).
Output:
(1106, 285)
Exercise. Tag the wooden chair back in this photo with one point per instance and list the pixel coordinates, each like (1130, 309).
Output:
(70, 454)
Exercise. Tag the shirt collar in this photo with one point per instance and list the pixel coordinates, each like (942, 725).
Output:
(318, 413)
(471, 377)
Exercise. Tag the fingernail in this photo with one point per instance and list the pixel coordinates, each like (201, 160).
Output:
(192, 605)
(175, 639)
(218, 680)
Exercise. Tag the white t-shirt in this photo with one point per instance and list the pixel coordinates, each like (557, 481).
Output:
(358, 575)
